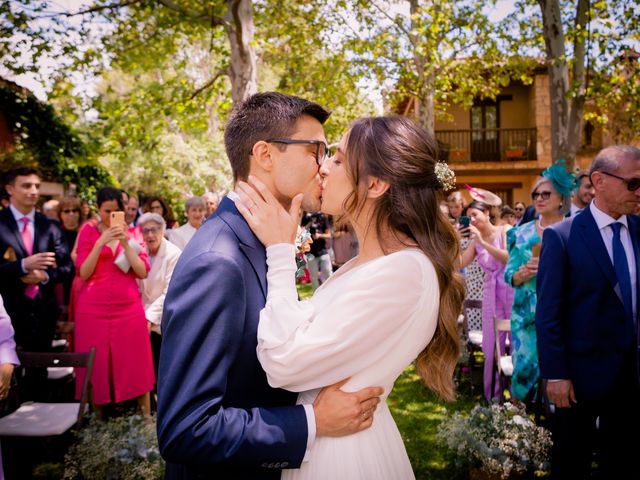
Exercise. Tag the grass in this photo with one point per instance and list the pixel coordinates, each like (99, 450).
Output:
(418, 412)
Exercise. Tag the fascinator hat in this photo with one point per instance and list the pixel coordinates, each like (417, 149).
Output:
(563, 181)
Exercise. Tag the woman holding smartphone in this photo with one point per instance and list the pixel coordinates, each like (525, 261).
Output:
(551, 197)
(489, 246)
(108, 312)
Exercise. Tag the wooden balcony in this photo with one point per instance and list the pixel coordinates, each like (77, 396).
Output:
(487, 145)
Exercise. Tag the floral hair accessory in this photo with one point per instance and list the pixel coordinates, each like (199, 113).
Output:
(563, 181)
(446, 177)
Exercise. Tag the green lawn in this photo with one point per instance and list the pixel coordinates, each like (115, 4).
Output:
(417, 413)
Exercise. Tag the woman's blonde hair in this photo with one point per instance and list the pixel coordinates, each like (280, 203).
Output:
(403, 154)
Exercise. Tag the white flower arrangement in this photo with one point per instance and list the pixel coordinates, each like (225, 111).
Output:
(499, 439)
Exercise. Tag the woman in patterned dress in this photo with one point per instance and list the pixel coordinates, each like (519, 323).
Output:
(551, 206)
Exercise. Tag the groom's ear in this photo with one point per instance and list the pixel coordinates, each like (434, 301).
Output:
(261, 155)
(377, 187)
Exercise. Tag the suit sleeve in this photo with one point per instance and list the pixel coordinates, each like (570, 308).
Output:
(550, 309)
(57, 245)
(202, 332)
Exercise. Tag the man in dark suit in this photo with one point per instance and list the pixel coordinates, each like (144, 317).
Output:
(217, 415)
(33, 260)
(587, 323)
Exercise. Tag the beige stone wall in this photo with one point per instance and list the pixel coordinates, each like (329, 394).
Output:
(515, 113)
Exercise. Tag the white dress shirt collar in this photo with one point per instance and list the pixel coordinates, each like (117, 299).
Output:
(17, 214)
(603, 220)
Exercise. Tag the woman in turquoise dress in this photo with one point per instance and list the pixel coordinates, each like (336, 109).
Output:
(551, 197)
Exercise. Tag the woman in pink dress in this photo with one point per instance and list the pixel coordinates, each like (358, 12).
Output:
(108, 310)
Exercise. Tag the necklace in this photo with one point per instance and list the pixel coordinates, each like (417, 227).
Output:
(540, 225)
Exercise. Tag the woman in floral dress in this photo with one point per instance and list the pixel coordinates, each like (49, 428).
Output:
(551, 197)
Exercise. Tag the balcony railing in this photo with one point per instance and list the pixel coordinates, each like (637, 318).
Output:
(487, 145)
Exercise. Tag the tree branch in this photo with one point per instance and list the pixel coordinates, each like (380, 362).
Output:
(208, 84)
(99, 8)
(212, 20)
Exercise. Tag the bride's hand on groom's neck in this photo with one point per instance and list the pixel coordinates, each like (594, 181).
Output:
(268, 219)
(341, 413)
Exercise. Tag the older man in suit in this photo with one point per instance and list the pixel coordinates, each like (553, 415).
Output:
(33, 259)
(587, 323)
(217, 415)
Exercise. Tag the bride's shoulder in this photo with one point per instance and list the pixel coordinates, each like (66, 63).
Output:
(410, 260)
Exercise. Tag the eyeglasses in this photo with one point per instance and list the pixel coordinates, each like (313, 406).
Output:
(542, 195)
(322, 149)
(519, 209)
(72, 210)
(152, 230)
(633, 184)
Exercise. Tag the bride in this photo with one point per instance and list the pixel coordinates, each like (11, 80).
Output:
(396, 302)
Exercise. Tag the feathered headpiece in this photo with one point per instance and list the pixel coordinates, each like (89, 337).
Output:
(563, 181)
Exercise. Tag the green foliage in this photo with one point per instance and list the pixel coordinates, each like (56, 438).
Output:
(44, 140)
(124, 448)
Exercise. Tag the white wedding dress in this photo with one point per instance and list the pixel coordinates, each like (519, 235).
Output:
(368, 323)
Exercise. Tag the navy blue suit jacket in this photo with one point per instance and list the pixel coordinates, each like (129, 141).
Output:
(217, 415)
(583, 333)
(33, 320)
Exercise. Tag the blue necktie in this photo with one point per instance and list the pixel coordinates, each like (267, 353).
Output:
(622, 270)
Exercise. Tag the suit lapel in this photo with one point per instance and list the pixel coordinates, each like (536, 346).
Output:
(249, 244)
(595, 245)
(11, 223)
(40, 226)
(634, 232)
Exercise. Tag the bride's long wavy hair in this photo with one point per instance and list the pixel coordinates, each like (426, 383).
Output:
(403, 154)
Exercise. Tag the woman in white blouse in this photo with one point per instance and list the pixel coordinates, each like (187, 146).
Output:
(163, 256)
(396, 302)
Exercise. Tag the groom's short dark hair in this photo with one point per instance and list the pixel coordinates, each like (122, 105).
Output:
(261, 117)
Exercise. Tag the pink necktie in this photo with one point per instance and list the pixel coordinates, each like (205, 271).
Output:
(27, 240)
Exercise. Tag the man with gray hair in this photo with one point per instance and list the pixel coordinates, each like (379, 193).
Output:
(195, 210)
(211, 200)
(587, 323)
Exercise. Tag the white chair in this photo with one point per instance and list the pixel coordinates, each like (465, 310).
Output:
(39, 419)
(503, 360)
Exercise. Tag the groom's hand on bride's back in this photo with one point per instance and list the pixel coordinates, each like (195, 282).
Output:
(341, 413)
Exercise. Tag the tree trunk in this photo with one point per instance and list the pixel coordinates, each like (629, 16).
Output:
(425, 95)
(243, 69)
(567, 107)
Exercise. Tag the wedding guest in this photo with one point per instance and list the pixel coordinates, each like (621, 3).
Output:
(163, 256)
(396, 302)
(157, 205)
(582, 196)
(318, 258)
(109, 313)
(455, 206)
(507, 216)
(211, 200)
(70, 220)
(587, 324)
(489, 246)
(8, 361)
(551, 196)
(33, 260)
(50, 209)
(195, 209)
(86, 213)
(131, 211)
(344, 244)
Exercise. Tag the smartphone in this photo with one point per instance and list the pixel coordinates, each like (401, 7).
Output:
(464, 223)
(117, 218)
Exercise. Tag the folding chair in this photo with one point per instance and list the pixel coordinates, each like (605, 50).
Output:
(473, 338)
(39, 419)
(503, 360)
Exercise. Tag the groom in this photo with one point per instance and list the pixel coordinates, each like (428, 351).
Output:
(217, 415)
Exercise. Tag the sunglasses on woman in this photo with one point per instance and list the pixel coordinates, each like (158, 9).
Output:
(542, 195)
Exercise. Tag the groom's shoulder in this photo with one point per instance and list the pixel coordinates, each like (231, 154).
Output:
(215, 236)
